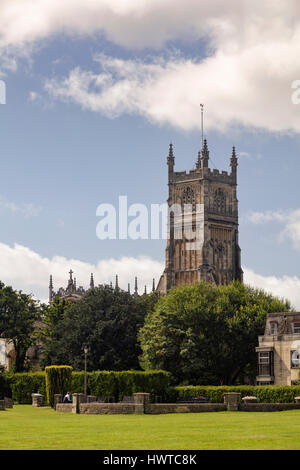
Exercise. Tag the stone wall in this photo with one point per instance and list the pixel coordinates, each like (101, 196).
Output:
(269, 406)
(64, 407)
(162, 408)
(142, 405)
(106, 408)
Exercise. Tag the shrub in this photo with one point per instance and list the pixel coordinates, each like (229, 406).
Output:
(103, 383)
(264, 394)
(122, 383)
(24, 384)
(153, 382)
(58, 380)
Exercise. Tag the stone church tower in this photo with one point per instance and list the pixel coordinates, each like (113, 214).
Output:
(216, 258)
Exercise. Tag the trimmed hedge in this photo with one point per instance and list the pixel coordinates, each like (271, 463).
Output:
(100, 383)
(264, 393)
(24, 384)
(153, 382)
(122, 383)
(58, 380)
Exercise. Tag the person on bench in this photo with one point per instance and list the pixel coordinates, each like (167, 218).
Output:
(67, 398)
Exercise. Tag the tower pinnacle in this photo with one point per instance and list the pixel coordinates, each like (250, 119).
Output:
(233, 164)
(170, 160)
(205, 154)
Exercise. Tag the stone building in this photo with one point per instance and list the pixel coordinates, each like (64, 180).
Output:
(7, 353)
(71, 293)
(278, 350)
(209, 202)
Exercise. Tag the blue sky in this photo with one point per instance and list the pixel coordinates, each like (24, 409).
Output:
(89, 116)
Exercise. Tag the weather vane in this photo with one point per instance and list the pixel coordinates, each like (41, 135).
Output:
(202, 106)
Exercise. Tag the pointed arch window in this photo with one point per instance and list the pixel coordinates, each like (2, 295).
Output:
(219, 204)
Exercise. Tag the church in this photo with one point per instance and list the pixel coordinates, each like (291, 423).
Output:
(217, 258)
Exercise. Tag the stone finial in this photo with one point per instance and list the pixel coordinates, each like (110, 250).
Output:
(92, 285)
(171, 159)
(233, 152)
(117, 283)
(128, 289)
(198, 163)
(205, 154)
(145, 291)
(233, 160)
(153, 285)
(233, 164)
(135, 294)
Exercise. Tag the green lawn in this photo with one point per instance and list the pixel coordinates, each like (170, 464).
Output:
(25, 427)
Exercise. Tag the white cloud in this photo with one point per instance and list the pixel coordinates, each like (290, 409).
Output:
(285, 287)
(26, 210)
(246, 79)
(289, 218)
(267, 216)
(26, 270)
(239, 88)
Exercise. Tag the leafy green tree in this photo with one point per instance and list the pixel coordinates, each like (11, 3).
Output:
(207, 334)
(106, 320)
(18, 314)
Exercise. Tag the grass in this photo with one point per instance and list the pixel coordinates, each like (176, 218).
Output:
(25, 427)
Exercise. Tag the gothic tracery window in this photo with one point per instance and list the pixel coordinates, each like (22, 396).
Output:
(219, 204)
(188, 196)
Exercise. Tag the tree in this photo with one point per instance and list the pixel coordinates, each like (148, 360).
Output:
(207, 334)
(18, 314)
(106, 320)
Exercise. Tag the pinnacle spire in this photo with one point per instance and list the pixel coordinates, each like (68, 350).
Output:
(128, 290)
(233, 159)
(170, 159)
(117, 283)
(234, 164)
(198, 163)
(145, 291)
(92, 285)
(205, 154)
(135, 294)
(153, 285)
